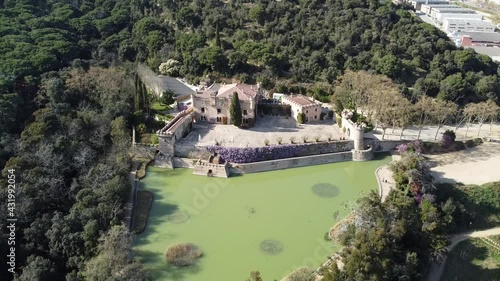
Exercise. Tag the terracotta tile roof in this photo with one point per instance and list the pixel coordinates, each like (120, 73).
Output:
(300, 99)
(245, 92)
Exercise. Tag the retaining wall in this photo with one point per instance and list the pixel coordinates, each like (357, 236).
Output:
(183, 162)
(291, 163)
(186, 149)
(385, 145)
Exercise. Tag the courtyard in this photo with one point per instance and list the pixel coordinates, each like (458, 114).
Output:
(269, 128)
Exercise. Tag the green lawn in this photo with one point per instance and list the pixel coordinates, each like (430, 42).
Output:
(158, 107)
(473, 260)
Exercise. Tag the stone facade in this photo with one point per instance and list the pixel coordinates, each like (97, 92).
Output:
(168, 135)
(291, 163)
(356, 133)
(212, 104)
(302, 104)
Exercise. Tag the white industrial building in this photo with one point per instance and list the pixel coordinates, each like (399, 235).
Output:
(417, 4)
(467, 25)
(427, 8)
(440, 17)
(436, 12)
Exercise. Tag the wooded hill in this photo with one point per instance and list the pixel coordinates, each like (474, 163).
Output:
(65, 113)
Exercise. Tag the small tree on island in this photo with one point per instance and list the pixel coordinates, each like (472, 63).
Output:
(235, 110)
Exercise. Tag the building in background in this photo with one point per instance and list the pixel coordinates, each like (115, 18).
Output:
(417, 4)
(464, 25)
(302, 104)
(212, 104)
(480, 39)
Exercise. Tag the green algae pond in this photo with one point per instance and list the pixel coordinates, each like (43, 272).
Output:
(273, 222)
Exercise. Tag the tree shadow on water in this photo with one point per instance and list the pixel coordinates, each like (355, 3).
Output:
(161, 270)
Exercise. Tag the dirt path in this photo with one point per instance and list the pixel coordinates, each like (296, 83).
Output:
(385, 179)
(477, 165)
(437, 269)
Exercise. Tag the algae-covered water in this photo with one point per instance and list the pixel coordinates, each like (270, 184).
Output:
(273, 222)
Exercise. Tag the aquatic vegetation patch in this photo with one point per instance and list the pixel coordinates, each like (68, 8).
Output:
(325, 190)
(272, 247)
(178, 217)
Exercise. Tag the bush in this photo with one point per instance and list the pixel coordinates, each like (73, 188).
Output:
(301, 118)
(322, 116)
(301, 274)
(183, 254)
(448, 138)
(256, 154)
(339, 121)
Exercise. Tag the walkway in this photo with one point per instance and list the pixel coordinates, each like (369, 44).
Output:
(385, 178)
(437, 269)
(129, 206)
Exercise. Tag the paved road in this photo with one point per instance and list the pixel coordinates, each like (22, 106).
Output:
(437, 269)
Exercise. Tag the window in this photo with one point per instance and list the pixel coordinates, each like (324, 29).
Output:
(315, 116)
(307, 111)
(245, 112)
(219, 119)
(245, 121)
(203, 118)
(219, 110)
(202, 110)
(315, 109)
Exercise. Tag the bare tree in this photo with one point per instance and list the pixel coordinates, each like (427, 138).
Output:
(470, 115)
(443, 112)
(493, 112)
(424, 112)
(406, 115)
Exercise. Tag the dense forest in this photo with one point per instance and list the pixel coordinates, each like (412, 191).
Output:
(67, 96)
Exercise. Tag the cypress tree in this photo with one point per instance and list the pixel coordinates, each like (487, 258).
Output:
(235, 110)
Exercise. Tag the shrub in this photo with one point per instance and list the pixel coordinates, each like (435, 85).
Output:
(339, 121)
(183, 254)
(141, 128)
(301, 274)
(343, 130)
(256, 154)
(448, 138)
(301, 118)
(279, 140)
(322, 116)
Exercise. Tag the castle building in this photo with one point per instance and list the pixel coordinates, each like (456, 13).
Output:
(303, 104)
(212, 104)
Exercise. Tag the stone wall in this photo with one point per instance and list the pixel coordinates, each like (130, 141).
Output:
(362, 155)
(185, 149)
(183, 162)
(315, 148)
(203, 168)
(385, 145)
(291, 163)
